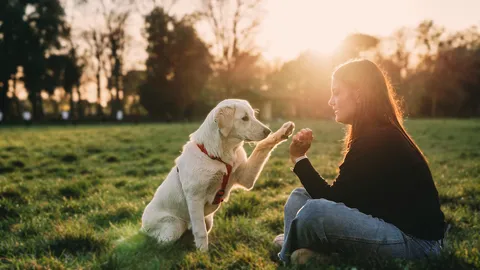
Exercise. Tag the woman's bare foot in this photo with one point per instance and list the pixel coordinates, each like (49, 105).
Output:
(278, 240)
(302, 256)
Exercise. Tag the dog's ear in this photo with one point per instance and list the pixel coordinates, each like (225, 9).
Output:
(224, 119)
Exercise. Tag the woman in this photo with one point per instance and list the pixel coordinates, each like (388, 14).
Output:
(384, 201)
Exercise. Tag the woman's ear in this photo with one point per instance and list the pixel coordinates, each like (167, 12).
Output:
(224, 118)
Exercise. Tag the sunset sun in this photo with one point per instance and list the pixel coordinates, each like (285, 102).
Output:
(292, 28)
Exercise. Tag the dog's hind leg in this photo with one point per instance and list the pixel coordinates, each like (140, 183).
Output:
(167, 229)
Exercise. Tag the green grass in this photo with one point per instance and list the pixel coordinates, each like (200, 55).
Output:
(72, 197)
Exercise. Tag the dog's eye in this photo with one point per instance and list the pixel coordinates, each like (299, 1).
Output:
(245, 118)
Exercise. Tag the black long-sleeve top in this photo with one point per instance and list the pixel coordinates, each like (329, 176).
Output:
(384, 176)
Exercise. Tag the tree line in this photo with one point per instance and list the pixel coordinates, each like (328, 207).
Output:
(436, 73)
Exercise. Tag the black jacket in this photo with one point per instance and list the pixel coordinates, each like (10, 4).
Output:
(383, 176)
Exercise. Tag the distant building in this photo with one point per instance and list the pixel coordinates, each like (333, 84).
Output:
(272, 104)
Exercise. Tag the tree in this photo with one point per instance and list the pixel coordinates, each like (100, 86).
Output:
(44, 27)
(107, 41)
(75, 62)
(12, 49)
(116, 14)
(353, 45)
(72, 75)
(97, 41)
(304, 81)
(54, 75)
(394, 57)
(456, 75)
(233, 25)
(132, 81)
(428, 40)
(63, 70)
(397, 59)
(178, 66)
(470, 74)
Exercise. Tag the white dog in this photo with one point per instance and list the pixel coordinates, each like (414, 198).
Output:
(212, 163)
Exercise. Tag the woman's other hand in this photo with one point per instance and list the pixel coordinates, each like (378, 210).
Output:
(300, 143)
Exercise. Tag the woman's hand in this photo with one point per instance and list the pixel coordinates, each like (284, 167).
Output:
(300, 143)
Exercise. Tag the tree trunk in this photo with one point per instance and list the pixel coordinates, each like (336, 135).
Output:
(56, 107)
(37, 105)
(72, 104)
(18, 106)
(112, 98)
(80, 112)
(72, 107)
(4, 100)
(33, 100)
(116, 104)
(99, 105)
(117, 85)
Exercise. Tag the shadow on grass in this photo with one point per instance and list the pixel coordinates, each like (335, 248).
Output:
(243, 205)
(140, 251)
(76, 244)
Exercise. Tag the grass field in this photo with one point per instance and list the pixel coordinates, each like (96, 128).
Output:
(72, 197)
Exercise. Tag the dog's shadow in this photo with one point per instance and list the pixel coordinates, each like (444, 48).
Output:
(141, 251)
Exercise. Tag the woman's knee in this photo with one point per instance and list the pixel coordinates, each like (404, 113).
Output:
(300, 191)
(321, 207)
(315, 211)
(298, 197)
(295, 201)
(299, 194)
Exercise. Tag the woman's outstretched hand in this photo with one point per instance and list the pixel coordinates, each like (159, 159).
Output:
(300, 143)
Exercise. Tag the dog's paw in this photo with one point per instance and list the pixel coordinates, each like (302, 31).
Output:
(283, 132)
(203, 248)
(286, 130)
(278, 136)
(202, 244)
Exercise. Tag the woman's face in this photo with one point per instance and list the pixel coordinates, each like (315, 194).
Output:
(342, 102)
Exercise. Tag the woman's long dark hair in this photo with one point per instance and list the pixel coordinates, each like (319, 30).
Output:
(377, 103)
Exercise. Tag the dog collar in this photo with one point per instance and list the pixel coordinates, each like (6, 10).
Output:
(219, 196)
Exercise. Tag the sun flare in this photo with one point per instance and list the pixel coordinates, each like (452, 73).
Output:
(292, 28)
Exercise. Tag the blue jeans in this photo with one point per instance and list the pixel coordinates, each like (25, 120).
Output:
(325, 226)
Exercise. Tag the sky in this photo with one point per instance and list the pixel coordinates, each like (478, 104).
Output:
(324, 24)
(290, 27)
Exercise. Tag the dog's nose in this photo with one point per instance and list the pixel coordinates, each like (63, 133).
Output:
(267, 131)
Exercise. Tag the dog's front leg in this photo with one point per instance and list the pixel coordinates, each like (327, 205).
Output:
(248, 172)
(197, 218)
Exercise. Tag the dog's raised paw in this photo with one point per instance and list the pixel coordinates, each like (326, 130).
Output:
(287, 129)
(280, 135)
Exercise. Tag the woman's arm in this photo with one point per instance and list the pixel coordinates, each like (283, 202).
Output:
(310, 178)
(358, 177)
(315, 185)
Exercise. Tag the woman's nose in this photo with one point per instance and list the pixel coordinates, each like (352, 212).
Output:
(330, 102)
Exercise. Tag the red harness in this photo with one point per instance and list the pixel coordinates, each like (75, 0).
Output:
(218, 197)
